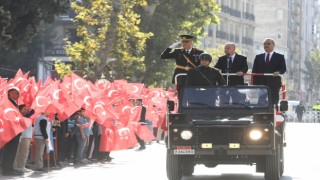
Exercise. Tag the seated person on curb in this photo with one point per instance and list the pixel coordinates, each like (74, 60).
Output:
(204, 75)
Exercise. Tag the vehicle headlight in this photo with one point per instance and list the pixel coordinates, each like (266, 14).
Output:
(255, 134)
(186, 134)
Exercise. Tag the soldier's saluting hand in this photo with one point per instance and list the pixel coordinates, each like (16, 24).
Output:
(186, 57)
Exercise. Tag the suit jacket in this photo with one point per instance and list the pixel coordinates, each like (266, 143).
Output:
(177, 54)
(143, 114)
(239, 64)
(276, 63)
(14, 103)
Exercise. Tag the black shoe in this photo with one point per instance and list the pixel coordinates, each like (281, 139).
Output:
(13, 173)
(141, 148)
(40, 169)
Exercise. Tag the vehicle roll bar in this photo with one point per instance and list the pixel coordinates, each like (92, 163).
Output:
(283, 88)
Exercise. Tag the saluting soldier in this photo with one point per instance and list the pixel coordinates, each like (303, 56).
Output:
(185, 57)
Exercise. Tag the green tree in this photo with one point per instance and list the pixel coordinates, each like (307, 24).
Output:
(166, 20)
(215, 53)
(109, 30)
(313, 70)
(20, 19)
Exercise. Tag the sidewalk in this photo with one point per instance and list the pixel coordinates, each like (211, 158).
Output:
(127, 160)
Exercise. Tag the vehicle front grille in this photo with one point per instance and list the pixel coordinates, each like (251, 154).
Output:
(218, 135)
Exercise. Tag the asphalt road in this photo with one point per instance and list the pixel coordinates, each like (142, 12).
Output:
(302, 159)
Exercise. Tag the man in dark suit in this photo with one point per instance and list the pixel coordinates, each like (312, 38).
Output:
(269, 62)
(10, 149)
(232, 63)
(142, 121)
(185, 57)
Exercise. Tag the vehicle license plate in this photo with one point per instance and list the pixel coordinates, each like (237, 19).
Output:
(183, 151)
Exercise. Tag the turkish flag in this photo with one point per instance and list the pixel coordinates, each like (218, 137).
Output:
(135, 115)
(107, 139)
(124, 137)
(28, 91)
(124, 109)
(11, 121)
(78, 84)
(117, 137)
(134, 89)
(152, 114)
(145, 133)
(3, 85)
(103, 112)
(18, 80)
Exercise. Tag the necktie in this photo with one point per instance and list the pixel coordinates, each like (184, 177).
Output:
(229, 63)
(187, 52)
(268, 59)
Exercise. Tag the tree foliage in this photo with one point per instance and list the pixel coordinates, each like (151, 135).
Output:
(313, 69)
(215, 53)
(166, 20)
(122, 30)
(20, 19)
(109, 30)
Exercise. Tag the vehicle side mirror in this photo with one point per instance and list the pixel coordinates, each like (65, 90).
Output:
(284, 106)
(170, 105)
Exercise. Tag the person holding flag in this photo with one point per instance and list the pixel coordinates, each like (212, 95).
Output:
(82, 134)
(41, 134)
(142, 121)
(25, 142)
(10, 148)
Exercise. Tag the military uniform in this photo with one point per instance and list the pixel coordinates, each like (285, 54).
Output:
(182, 63)
(195, 77)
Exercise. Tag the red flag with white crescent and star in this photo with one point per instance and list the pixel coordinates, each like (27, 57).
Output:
(11, 121)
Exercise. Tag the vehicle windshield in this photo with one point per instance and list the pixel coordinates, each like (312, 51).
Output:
(224, 97)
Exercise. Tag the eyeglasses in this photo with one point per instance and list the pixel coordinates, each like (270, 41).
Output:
(267, 43)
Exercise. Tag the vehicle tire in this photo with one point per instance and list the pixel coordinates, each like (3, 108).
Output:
(188, 170)
(272, 166)
(173, 167)
(281, 130)
(281, 160)
(261, 164)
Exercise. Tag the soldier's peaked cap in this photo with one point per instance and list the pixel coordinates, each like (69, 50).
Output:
(186, 37)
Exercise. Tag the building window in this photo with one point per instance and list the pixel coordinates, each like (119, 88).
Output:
(280, 14)
(314, 29)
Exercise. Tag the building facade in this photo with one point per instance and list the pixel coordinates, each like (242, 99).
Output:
(237, 25)
(61, 29)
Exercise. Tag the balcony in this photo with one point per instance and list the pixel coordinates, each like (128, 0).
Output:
(231, 11)
(237, 40)
(248, 16)
(222, 35)
(247, 40)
